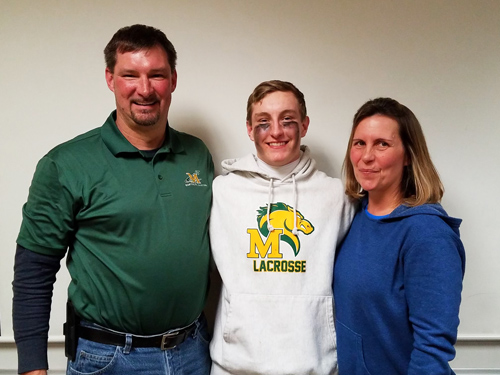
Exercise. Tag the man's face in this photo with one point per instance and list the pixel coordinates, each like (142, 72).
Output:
(143, 83)
(276, 128)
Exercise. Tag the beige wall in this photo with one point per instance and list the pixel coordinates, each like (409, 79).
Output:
(440, 58)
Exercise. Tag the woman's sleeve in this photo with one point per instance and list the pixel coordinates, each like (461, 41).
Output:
(434, 269)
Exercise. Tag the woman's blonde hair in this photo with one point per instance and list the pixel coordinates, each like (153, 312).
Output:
(420, 183)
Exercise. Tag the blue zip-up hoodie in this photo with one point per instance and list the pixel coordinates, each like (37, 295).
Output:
(397, 286)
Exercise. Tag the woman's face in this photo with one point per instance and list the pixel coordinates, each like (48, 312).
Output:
(378, 156)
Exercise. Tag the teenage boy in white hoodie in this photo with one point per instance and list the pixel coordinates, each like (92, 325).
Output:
(275, 223)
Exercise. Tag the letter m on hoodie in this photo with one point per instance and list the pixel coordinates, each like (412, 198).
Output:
(258, 247)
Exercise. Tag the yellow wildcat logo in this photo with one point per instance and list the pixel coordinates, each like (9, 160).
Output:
(282, 217)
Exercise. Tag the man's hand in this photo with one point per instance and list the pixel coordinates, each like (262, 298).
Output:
(35, 372)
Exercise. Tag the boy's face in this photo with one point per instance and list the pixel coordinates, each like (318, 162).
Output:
(276, 128)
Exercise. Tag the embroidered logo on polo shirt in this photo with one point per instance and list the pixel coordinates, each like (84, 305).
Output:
(193, 179)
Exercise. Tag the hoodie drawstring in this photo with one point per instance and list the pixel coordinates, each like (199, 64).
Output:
(294, 231)
(270, 228)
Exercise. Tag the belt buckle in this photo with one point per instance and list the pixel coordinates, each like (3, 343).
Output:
(164, 339)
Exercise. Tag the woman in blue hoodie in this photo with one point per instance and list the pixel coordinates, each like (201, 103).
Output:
(398, 274)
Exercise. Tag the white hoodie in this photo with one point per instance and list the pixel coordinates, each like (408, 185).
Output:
(276, 312)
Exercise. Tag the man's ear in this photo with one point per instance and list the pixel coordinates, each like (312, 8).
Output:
(174, 80)
(110, 79)
(249, 131)
(304, 126)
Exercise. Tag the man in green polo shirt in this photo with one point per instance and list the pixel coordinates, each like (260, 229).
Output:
(129, 202)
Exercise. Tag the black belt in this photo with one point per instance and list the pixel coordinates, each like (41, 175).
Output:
(164, 342)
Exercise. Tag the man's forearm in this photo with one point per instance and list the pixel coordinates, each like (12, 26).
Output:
(34, 277)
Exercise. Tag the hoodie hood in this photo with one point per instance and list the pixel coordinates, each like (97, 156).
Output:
(434, 209)
(248, 164)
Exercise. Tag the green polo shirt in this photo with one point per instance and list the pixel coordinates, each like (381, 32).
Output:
(135, 227)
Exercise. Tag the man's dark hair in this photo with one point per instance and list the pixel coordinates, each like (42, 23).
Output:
(135, 38)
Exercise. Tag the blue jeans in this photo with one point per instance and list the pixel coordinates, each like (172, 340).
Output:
(189, 358)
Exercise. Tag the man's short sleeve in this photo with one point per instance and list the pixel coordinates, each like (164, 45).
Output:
(48, 219)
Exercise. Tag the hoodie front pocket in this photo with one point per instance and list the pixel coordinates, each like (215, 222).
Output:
(351, 357)
(269, 334)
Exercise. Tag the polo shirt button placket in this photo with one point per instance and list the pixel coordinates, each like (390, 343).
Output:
(160, 177)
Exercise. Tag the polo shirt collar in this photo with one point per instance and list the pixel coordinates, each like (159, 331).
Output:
(118, 144)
